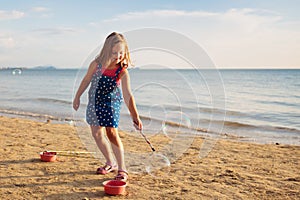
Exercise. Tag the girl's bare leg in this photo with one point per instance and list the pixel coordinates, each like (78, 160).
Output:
(98, 133)
(117, 146)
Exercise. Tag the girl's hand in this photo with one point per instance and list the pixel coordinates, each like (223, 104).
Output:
(76, 103)
(137, 123)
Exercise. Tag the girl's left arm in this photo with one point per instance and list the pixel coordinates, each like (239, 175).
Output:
(129, 99)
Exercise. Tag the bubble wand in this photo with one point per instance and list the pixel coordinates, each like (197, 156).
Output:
(141, 132)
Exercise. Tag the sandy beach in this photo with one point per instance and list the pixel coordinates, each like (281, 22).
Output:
(232, 170)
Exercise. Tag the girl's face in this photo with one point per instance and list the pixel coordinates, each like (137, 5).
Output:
(118, 53)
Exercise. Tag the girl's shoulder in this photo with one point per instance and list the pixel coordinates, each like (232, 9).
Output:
(123, 70)
(94, 66)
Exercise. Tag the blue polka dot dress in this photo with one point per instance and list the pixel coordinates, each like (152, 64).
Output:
(105, 98)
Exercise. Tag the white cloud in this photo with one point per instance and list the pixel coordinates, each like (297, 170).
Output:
(233, 20)
(40, 9)
(56, 31)
(93, 24)
(232, 13)
(42, 12)
(7, 15)
(250, 19)
(160, 13)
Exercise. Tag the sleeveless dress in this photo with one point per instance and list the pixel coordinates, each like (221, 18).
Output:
(105, 98)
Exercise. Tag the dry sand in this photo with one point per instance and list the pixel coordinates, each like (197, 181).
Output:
(232, 170)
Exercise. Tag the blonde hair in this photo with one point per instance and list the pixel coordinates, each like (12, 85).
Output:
(106, 51)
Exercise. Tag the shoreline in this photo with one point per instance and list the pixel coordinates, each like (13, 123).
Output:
(259, 138)
(231, 170)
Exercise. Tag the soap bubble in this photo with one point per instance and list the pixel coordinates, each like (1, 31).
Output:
(135, 168)
(158, 165)
(175, 122)
(177, 127)
(135, 162)
(151, 121)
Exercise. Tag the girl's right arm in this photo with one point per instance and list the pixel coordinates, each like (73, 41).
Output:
(84, 84)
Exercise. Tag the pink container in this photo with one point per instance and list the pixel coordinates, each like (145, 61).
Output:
(48, 156)
(114, 187)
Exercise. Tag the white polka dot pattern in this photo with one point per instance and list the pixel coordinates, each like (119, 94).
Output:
(105, 98)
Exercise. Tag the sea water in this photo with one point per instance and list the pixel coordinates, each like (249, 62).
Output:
(253, 105)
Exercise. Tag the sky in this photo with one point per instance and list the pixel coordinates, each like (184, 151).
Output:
(233, 33)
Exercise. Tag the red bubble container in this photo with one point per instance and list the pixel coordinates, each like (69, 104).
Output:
(48, 156)
(114, 187)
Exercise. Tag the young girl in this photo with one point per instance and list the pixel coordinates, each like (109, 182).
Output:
(105, 96)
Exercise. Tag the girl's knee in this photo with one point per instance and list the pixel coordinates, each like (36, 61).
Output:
(98, 132)
(112, 134)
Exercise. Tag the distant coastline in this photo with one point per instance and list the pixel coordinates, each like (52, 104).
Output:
(26, 68)
(50, 67)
